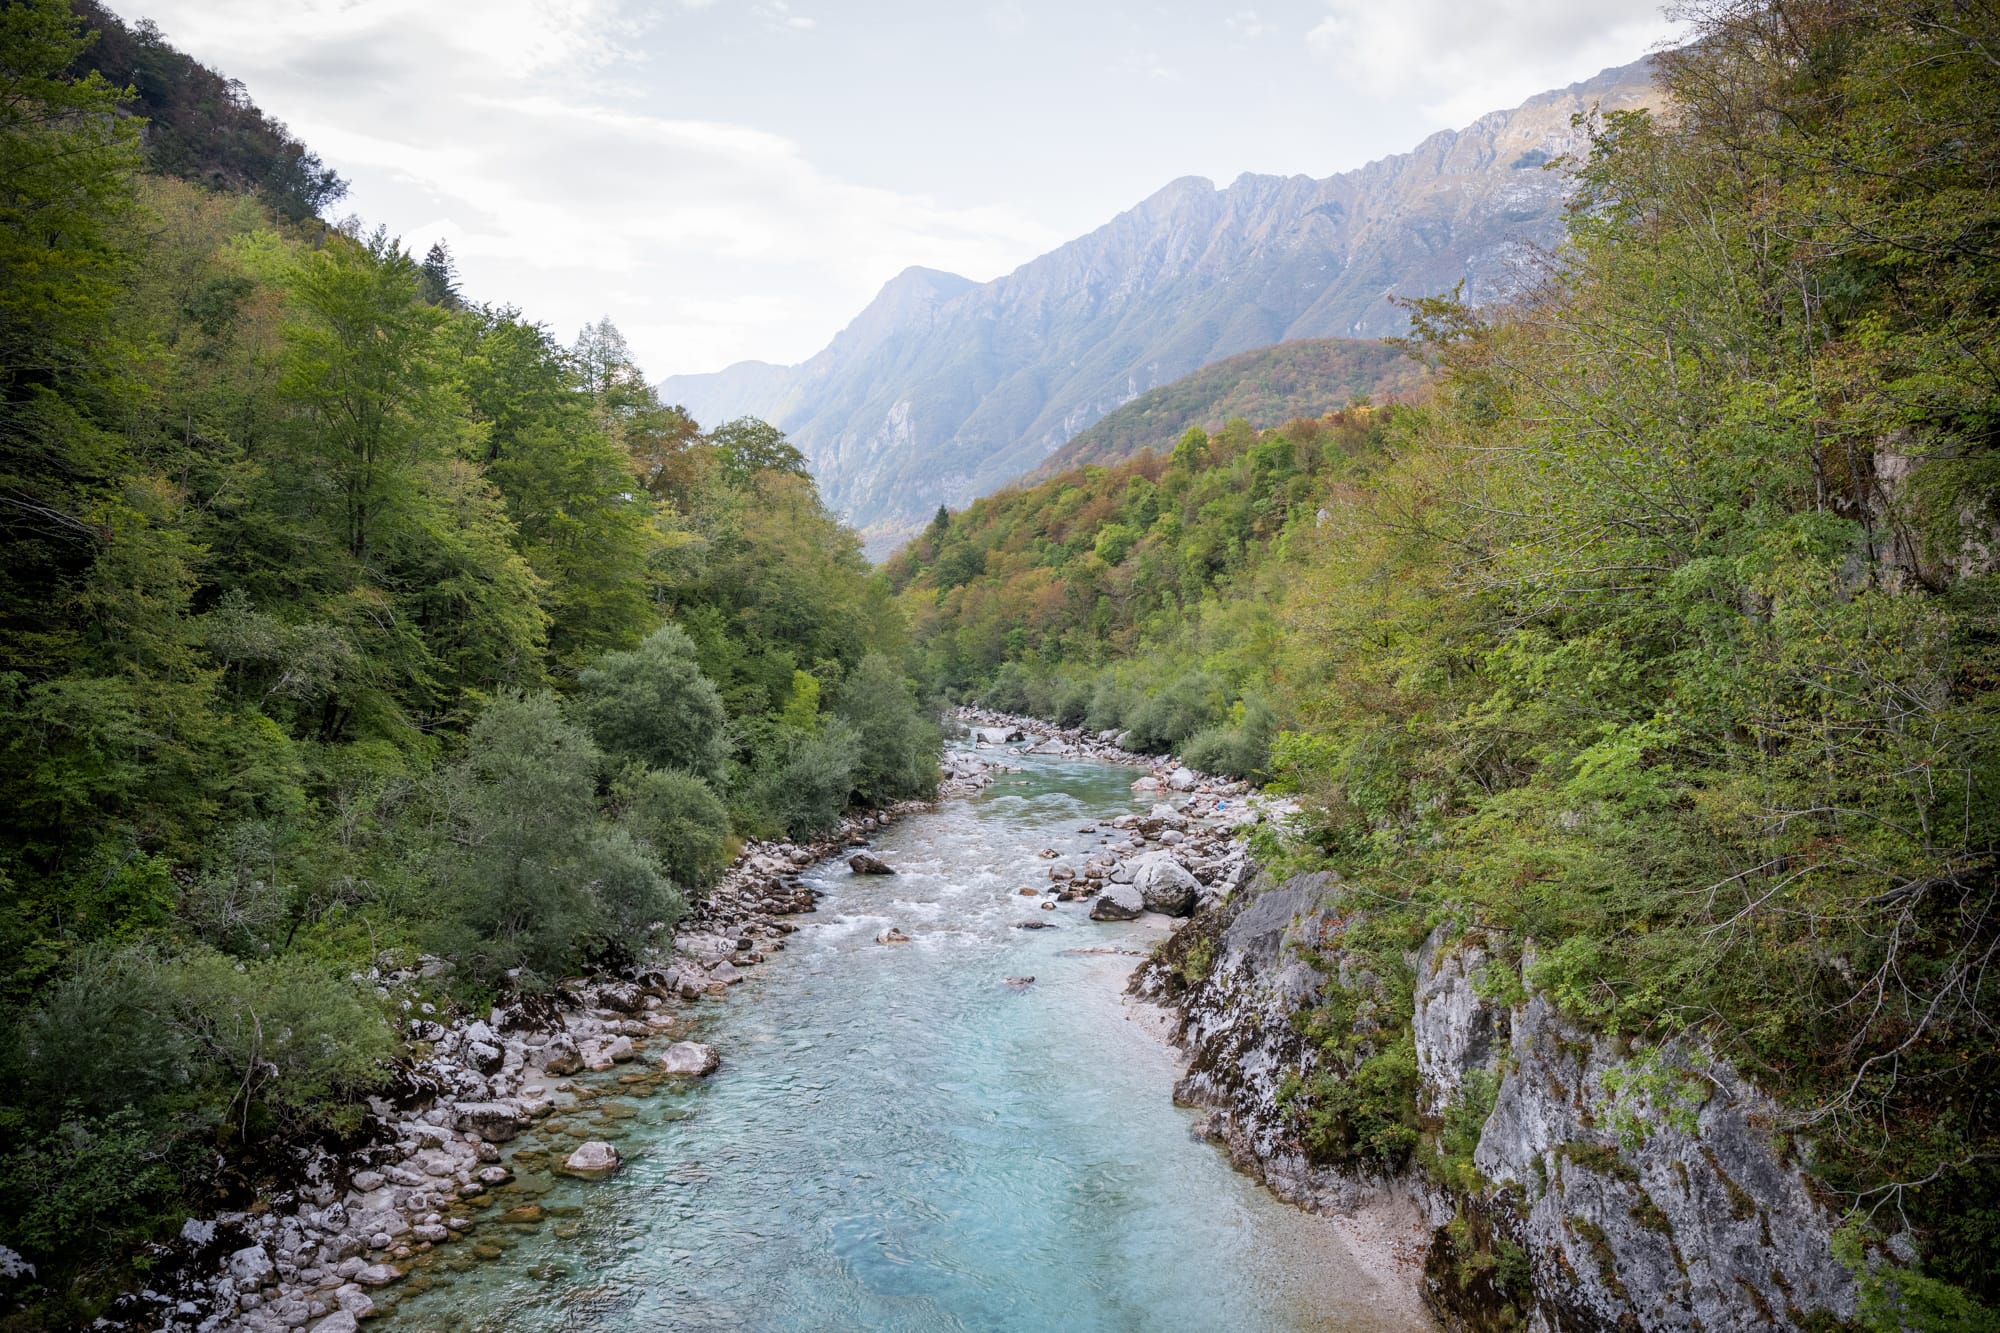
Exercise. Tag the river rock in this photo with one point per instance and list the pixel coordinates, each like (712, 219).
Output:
(251, 1266)
(892, 935)
(1183, 779)
(496, 1122)
(561, 1055)
(998, 735)
(1164, 885)
(340, 1321)
(861, 863)
(690, 1058)
(592, 1160)
(377, 1275)
(1118, 902)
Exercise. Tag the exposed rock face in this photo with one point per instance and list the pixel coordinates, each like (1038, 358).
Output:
(1689, 1220)
(1637, 1188)
(943, 390)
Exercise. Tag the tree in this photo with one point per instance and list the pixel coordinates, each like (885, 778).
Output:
(748, 446)
(439, 281)
(653, 705)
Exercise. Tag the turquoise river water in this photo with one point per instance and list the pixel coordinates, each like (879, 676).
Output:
(897, 1139)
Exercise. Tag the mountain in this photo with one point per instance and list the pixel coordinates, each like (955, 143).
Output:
(1267, 387)
(944, 389)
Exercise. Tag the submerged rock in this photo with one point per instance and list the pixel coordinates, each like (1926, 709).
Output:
(592, 1160)
(691, 1058)
(892, 936)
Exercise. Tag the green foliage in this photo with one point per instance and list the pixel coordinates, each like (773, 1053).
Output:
(653, 705)
(1365, 1116)
(297, 542)
(896, 747)
(680, 819)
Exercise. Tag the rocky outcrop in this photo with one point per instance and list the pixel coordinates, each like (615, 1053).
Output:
(1607, 1187)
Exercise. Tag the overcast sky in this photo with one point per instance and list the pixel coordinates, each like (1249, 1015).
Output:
(729, 179)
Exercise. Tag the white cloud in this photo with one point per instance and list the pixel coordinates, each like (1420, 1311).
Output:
(1461, 60)
(501, 129)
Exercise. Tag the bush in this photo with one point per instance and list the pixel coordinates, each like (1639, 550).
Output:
(1192, 702)
(653, 704)
(802, 782)
(1009, 691)
(896, 753)
(1240, 748)
(679, 819)
(1110, 704)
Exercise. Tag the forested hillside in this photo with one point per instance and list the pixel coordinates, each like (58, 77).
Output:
(1303, 378)
(1657, 643)
(343, 615)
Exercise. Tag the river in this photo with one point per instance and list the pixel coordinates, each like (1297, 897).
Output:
(898, 1139)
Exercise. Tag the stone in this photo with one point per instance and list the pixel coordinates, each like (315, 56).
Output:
(496, 1122)
(893, 935)
(1029, 891)
(251, 1266)
(861, 863)
(351, 1298)
(1183, 779)
(377, 1275)
(367, 1181)
(691, 1059)
(1164, 884)
(340, 1321)
(998, 735)
(1118, 902)
(1020, 981)
(561, 1055)
(14, 1267)
(592, 1160)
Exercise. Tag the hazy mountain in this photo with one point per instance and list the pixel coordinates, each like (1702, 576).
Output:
(1267, 387)
(944, 389)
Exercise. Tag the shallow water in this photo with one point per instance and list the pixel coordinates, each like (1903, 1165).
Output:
(897, 1139)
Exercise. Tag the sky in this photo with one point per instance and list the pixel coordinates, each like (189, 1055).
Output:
(735, 179)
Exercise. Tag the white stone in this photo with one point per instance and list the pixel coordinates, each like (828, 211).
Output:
(691, 1058)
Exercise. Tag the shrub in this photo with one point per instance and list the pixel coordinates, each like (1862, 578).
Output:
(1240, 748)
(679, 819)
(896, 748)
(1191, 702)
(653, 704)
(1009, 691)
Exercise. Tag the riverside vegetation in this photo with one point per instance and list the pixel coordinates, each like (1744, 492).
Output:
(1652, 651)
(342, 618)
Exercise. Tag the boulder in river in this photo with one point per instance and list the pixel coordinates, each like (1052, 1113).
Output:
(1183, 779)
(561, 1055)
(1164, 884)
(592, 1160)
(1118, 902)
(893, 935)
(1018, 982)
(861, 863)
(691, 1058)
(376, 1275)
(998, 735)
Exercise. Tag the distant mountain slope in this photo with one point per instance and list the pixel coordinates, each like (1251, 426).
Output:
(942, 390)
(1267, 387)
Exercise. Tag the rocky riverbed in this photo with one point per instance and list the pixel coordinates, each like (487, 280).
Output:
(333, 1249)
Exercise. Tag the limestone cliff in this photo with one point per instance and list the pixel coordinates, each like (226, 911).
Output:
(1608, 1186)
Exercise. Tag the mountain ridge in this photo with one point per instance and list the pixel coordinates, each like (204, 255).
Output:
(942, 389)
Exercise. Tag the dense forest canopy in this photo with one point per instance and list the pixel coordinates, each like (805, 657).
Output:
(343, 615)
(1658, 642)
